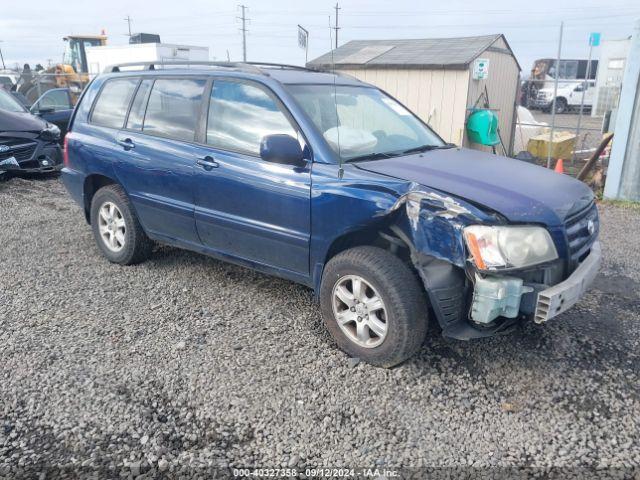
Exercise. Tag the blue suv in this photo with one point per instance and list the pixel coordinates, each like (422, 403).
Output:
(329, 182)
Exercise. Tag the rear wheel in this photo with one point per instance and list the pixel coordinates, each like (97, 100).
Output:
(116, 229)
(373, 306)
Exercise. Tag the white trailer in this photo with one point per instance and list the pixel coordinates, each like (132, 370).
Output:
(99, 58)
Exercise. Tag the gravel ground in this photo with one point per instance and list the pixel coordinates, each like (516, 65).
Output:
(185, 362)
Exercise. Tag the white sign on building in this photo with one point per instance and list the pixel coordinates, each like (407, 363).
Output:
(481, 68)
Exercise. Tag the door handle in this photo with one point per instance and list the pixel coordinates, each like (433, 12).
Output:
(207, 163)
(126, 143)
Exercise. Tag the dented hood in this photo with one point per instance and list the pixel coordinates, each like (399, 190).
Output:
(519, 191)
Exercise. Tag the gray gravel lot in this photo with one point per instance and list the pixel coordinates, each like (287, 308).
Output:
(185, 362)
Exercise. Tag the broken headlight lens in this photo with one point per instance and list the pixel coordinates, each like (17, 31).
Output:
(50, 133)
(495, 248)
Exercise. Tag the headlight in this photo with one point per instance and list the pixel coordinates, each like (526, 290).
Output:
(51, 132)
(494, 248)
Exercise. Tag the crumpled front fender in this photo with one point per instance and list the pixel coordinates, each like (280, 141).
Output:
(432, 223)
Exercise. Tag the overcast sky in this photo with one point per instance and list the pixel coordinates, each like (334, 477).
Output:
(32, 32)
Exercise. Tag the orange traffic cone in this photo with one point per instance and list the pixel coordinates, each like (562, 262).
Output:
(559, 166)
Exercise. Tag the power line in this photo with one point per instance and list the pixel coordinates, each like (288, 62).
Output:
(395, 13)
(278, 26)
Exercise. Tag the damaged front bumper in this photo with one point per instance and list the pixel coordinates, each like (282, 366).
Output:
(29, 152)
(44, 159)
(509, 296)
(469, 303)
(557, 299)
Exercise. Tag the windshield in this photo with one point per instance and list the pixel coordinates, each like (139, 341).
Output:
(8, 103)
(362, 122)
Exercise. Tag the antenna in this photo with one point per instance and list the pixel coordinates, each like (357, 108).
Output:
(335, 101)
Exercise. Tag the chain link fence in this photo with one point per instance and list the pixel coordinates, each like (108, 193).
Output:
(31, 85)
(559, 120)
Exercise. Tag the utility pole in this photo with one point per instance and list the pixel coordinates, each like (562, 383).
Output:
(244, 32)
(128, 19)
(555, 94)
(336, 28)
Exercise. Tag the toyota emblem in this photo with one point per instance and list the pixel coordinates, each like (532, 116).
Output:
(591, 227)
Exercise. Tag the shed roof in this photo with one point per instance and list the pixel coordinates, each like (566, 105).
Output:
(411, 53)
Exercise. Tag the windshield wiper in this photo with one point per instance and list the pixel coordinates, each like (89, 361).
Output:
(426, 148)
(371, 156)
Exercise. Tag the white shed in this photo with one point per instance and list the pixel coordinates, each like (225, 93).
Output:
(437, 78)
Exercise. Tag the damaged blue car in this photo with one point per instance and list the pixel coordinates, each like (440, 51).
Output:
(329, 182)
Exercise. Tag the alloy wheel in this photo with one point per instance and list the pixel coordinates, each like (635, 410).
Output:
(112, 226)
(359, 311)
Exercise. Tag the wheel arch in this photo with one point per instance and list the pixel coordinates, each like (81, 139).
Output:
(93, 183)
(372, 236)
(564, 99)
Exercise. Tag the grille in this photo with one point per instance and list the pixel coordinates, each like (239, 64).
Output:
(579, 238)
(18, 148)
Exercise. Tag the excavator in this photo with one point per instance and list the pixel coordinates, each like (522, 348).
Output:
(72, 73)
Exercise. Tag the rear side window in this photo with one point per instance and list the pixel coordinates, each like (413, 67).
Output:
(173, 108)
(113, 102)
(240, 115)
(136, 115)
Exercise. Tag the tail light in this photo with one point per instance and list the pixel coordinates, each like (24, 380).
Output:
(65, 150)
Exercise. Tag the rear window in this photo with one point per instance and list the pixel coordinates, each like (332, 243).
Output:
(113, 102)
(173, 108)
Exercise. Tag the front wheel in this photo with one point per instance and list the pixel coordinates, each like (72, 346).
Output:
(373, 306)
(561, 105)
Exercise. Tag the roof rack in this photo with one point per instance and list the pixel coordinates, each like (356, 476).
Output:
(246, 67)
(282, 66)
(250, 67)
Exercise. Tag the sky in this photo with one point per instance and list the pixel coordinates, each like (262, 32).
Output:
(32, 32)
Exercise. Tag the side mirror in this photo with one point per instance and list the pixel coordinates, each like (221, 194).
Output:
(282, 149)
(40, 111)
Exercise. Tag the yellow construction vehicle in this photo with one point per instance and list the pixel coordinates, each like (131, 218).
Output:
(71, 73)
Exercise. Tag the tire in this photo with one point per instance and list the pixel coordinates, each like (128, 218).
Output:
(130, 244)
(561, 105)
(404, 311)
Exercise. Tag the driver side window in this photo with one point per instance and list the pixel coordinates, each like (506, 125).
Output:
(241, 114)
